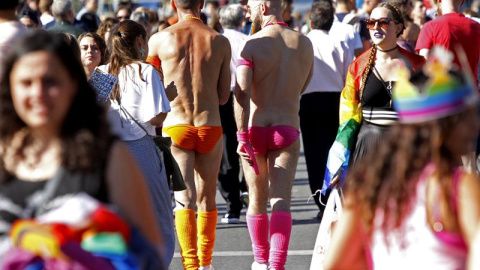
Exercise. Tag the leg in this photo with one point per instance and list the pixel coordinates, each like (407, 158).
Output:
(282, 165)
(228, 178)
(185, 221)
(257, 218)
(318, 136)
(206, 172)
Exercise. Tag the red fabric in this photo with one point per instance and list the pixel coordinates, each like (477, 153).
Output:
(451, 30)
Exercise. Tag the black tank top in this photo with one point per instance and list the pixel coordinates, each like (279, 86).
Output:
(375, 94)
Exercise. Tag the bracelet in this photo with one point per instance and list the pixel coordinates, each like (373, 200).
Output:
(242, 136)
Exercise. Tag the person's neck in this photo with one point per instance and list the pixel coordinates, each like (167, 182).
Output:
(187, 12)
(271, 19)
(387, 52)
(341, 8)
(7, 15)
(449, 8)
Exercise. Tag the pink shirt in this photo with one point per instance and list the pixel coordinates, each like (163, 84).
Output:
(415, 245)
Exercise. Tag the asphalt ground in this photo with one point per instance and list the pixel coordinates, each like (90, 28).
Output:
(233, 247)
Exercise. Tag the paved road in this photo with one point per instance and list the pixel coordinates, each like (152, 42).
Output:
(233, 247)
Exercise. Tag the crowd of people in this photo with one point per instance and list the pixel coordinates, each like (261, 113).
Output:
(384, 96)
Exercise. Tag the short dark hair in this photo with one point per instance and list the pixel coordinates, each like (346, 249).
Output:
(322, 14)
(187, 4)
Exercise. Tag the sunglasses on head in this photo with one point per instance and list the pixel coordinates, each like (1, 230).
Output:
(383, 22)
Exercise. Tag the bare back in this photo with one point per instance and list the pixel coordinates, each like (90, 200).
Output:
(196, 59)
(283, 61)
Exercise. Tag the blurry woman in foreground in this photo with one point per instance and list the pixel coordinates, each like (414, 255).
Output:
(50, 123)
(410, 204)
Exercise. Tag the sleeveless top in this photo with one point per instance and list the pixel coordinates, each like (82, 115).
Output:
(377, 101)
(20, 199)
(415, 245)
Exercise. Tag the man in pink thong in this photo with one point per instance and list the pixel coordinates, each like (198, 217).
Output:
(264, 139)
(270, 79)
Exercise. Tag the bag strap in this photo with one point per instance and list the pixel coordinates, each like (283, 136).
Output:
(133, 118)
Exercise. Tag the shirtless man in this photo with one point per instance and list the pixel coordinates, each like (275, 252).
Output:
(275, 67)
(197, 60)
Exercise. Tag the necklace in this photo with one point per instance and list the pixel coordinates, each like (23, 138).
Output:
(389, 50)
(273, 23)
(190, 16)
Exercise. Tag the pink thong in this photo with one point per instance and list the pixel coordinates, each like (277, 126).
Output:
(264, 139)
(244, 62)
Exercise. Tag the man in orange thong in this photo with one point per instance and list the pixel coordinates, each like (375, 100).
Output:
(197, 59)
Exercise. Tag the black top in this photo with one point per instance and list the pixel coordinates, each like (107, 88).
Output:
(375, 93)
(19, 198)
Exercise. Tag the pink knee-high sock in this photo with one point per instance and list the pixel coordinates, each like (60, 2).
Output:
(280, 230)
(258, 229)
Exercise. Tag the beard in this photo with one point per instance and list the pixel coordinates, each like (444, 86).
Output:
(256, 25)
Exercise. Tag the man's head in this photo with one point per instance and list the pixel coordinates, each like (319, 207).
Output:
(321, 15)
(45, 5)
(62, 10)
(257, 10)
(231, 16)
(8, 4)
(194, 5)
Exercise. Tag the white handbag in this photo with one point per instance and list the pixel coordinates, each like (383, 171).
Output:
(332, 213)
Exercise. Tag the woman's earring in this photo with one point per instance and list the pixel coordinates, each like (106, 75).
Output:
(142, 52)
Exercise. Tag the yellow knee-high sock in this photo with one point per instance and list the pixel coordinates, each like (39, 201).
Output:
(186, 226)
(207, 223)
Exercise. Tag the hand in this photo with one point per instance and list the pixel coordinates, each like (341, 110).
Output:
(243, 154)
(335, 180)
(171, 91)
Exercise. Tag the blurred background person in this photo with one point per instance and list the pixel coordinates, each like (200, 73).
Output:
(46, 132)
(63, 12)
(10, 28)
(123, 13)
(411, 201)
(319, 104)
(47, 17)
(142, 17)
(87, 18)
(30, 19)
(105, 28)
(418, 13)
(93, 51)
(408, 38)
(231, 183)
(138, 104)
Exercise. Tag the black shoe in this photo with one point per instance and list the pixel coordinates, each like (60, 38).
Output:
(319, 215)
(230, 218)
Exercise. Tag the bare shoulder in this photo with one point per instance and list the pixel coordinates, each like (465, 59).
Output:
(158, 39)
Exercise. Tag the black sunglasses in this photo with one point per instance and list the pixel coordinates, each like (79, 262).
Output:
(383, 22)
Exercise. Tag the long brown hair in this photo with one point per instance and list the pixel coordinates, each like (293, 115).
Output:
(386, 179)
(123, 50)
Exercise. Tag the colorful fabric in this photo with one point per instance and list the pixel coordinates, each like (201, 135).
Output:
(186, 225)
(264, 139)
(280, 231)
(258, 227)
(155, 61)
(244, 62)
(206, 225)
(441, 96)
(351, 115)
(201, 139)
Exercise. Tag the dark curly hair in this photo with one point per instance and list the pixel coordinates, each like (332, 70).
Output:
(84, 134)
(386, 178)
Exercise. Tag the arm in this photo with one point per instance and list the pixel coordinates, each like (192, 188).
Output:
(346, 249)
(424, 53)
(242, 95)
(161, 102)
(128, 191)
(225, 75)
(310, 57)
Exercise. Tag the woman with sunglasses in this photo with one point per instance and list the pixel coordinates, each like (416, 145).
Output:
(366, 100)
(410, 205)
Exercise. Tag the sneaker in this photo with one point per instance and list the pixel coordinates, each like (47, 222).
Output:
(230, 219)
(259, 266)
(208, 267)
(244, 199)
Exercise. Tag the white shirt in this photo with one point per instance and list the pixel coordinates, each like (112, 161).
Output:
(330, 63)
(346, 33)
(236, 39)
(142, 99)
(11, 32)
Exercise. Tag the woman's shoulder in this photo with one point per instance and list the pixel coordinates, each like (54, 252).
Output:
(414, 59)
